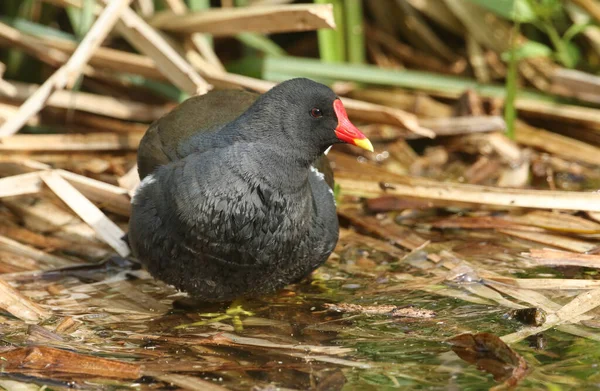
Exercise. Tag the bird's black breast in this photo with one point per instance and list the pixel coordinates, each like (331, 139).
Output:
(220, 239)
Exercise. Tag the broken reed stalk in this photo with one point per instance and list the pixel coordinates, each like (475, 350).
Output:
(20, 184)
(88, 212)
(66, 75)
(42, 260)
(148, 41)
(202, 42)
(46, 360)
(549, 257)
(231, 21)
(16, 304)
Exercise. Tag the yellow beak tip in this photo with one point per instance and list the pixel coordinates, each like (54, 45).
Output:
(363, 143)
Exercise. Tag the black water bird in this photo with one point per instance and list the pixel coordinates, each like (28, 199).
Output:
(236, 195)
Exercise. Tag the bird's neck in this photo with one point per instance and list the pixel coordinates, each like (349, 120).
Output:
(284, 170)
(274, 160)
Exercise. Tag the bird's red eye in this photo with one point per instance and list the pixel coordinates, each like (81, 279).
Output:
(316, 112)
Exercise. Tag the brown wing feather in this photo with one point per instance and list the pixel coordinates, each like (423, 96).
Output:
(197, 114)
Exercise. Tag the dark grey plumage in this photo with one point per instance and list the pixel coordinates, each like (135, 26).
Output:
(229, 205)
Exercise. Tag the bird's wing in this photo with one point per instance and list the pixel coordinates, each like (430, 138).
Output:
(209, 112)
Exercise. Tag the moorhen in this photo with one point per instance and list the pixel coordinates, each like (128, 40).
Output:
(236, 194)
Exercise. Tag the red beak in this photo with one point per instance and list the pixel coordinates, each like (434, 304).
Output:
(346, 131)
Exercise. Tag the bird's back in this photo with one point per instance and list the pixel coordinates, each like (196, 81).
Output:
(163, 140)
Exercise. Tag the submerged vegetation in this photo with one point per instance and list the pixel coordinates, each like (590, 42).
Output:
(468, 254)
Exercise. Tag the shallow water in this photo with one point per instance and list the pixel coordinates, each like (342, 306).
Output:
(293, 342)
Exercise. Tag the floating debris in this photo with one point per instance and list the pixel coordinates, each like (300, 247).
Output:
(490, 354)
(388, 310)
(529, 316)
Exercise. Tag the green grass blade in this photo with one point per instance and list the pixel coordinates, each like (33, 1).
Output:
(15, 58)
(423, 81)
(197, 5)
(355, 31)
(36, 29)
(510, 111)
(261, 43)
(517, 10)
(81, 18)
(332, 42)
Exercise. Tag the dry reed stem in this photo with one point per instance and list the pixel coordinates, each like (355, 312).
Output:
(93, 103)
(551, 257)
(230, 21)
(66, 75)
(591, 6)
(576, 84)
(20, 184)
(377, 113)
(557, 144)
(200, 41)
(130, 181)
(577, 115)
(8, 110)
(146, 8)
(47, 360)
(568, 314)
(72, 142)
(452, 126)
(107, 58)
(482, 195)
(110, 197)
(23, 235)
(547, 283)
(408, 55)
(564, 242)
(88, 212)
(15, 38)
(555, 221)
(45, 261)
(147, 41)
(6, 88)
(16, 304)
